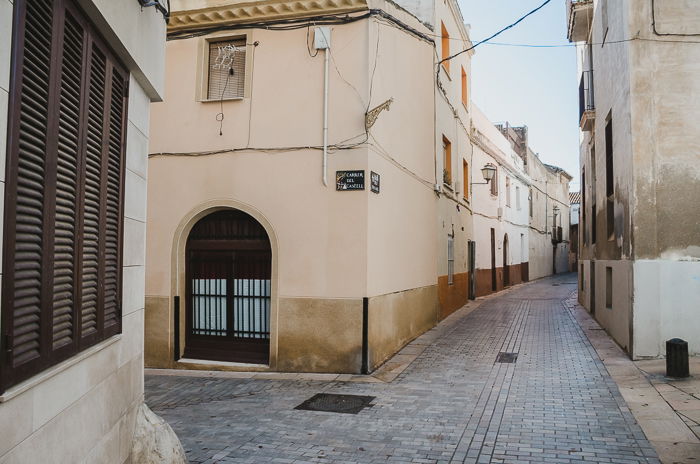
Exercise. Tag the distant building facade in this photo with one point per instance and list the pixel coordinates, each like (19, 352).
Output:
(501, 226)
(548, 208)
(639, 257)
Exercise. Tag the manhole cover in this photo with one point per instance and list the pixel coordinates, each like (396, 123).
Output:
(504, 357)
(346, 404)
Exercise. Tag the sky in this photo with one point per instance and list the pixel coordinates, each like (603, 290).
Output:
(536, 87)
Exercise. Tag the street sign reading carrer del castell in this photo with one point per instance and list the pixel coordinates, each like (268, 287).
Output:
(350, 180)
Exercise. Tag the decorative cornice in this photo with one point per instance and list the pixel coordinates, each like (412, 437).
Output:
(259, 11)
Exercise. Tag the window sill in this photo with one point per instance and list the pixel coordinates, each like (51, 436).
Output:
(57, 369)
(447, 186)
(219, 100)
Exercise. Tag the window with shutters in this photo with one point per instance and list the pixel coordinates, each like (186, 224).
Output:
(226, 69)
(465, 178)
(494, 183)
(61, 287)
(445, 47)
(507, 191)
(450, 260)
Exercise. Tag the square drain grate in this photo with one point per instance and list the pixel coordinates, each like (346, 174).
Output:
(504, 357)
(328, 402)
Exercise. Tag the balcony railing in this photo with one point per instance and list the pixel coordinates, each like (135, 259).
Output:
(586, 100)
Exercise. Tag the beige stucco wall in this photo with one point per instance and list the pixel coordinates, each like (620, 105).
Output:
(397, 318)
(665, 104)
(98, 391)
(649, 87)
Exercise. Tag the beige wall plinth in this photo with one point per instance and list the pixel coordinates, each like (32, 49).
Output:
(397, 318)
(320, 335)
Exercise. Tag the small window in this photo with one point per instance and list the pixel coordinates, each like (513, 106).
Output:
(594, 214)
(517, 197)
(507, 191)
(465, 95)
(447, 161)
(450, 260)
(494, 183)
(226, 69)
(609, 179)
(608, 288)
(529, 199)
(465, 178)
(445, 47)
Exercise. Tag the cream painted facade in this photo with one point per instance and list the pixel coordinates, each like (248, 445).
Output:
(84, 409)
(639, 259)
(500, 214)
(343, 262)
(452, 122)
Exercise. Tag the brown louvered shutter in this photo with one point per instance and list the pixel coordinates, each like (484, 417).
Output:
(61, 287)
(25, 209)
(67, 189)
(91, 198)
(113, 202)
(226, 69)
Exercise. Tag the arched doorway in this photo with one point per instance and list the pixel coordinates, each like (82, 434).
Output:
(228, 289)
(506, 266)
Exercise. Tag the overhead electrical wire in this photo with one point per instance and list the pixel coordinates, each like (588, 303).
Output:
(496, 34)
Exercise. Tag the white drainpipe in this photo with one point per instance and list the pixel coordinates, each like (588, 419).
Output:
(325, 117)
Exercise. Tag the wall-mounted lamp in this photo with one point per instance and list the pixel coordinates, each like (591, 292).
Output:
(488, 171)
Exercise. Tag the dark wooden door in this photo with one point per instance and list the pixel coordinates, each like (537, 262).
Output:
(228, 289)
(493, 260)
(506, 266)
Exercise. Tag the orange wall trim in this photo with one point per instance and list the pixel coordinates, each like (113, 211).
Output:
(452, 297)
(518, 274)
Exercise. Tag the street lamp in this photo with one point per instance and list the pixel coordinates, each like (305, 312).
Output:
(488, 171)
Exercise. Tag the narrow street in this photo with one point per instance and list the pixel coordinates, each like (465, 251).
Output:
(556, 403)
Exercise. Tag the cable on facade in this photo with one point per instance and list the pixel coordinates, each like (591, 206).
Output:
(300, 23)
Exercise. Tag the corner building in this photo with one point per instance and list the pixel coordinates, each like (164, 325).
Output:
(266, 254)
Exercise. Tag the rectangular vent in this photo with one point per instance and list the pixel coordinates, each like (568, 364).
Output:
(345, 404)
(504, 357)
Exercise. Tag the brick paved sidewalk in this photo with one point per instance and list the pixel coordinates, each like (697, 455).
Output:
(453, 403)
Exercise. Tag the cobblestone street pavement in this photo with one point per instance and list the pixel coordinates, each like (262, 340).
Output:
(453, 403)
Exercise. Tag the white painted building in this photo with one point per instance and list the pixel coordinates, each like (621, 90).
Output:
(549, 218)
(639, 97)
(500, 209)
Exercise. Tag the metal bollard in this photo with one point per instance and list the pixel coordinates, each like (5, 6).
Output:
(677, 358)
